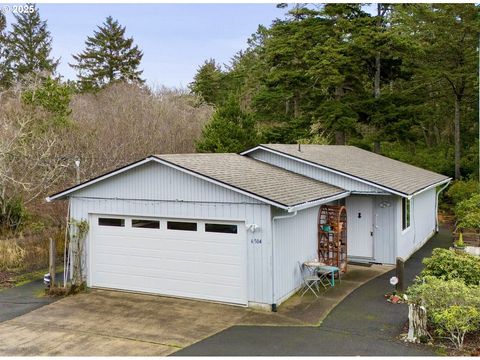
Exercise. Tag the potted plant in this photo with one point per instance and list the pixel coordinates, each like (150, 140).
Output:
(459, 244)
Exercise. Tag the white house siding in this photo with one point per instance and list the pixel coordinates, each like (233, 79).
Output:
(313, 172)
(422, 223)
(384, 232)
(295, 241)
(171, 194)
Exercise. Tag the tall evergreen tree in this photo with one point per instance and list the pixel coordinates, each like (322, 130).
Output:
(109, 56)
(28, 46)
(3, 61)
(207, 82)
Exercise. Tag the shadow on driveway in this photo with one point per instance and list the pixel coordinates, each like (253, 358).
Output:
(364, 323)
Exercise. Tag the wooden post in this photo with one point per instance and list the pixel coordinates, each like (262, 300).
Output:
(400, 269)
(52, 261)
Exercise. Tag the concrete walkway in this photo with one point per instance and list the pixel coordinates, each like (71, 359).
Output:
(22, 299)
(362, 324)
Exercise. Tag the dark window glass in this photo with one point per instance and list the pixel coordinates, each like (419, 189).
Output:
(179, 225)
(146, 224)
(111, 222)
(221, 228)
(405, 213)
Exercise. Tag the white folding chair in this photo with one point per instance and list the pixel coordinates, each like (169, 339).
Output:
(310, 281)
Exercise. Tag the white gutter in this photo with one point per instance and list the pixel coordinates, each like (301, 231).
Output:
(274, 305)
(310, 204)
(430, 187)
(436, 204)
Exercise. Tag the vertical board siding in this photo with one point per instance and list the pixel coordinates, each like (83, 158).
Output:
(422, 223)
(154, 181)
(312, 172)
(173, 194)
(384, 208)
(295, 241)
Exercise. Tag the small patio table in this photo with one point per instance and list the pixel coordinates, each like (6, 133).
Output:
(315, 265)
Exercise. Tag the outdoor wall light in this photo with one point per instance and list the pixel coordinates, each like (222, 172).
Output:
(252, 227)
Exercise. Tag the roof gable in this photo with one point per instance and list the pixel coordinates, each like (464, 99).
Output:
(255, 179)
(374, 169)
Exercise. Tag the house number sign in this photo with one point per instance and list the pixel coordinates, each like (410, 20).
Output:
(256, 241)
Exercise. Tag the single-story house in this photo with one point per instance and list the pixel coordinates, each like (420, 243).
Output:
(234, 227)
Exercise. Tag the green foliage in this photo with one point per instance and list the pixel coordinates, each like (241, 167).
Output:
(456, 321)
(447, 264)
(375, 81)
(452, 306)
(229, 130)
(461, 190)
(53, 97)
(28, 47)
(208, 81)
(13, 214)
(109, 56)
(467, 213)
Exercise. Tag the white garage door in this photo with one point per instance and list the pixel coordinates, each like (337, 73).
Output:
(186, 258)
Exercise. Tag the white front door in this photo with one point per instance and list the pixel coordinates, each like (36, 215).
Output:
(201, 259)
(359, 227)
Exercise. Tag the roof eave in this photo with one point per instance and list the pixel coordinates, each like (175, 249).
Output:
(312, 203)
(384, 188)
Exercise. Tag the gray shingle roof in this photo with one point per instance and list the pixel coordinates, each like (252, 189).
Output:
(255, 177)
(363, 164)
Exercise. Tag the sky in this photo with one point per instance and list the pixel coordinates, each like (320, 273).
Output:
(175, 38)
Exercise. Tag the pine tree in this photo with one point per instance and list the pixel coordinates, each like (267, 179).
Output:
(28, 46)
(3, 61)
(109, 56)
(207, 82)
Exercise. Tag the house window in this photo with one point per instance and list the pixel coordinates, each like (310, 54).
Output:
(221, 228)
(111, 222)
(146, 224)
(180, 225)
(405, 213)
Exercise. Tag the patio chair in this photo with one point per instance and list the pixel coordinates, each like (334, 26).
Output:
(310, 281)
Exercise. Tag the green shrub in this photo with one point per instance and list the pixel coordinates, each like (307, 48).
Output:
(455, 322)
(467, 213)
(461, 190)
(447, 264)
(12, 214)
(453, 308)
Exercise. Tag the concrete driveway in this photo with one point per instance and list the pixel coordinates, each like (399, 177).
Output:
(114, 323)
(119, 323)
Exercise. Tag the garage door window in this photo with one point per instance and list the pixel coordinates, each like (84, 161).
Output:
(145, 224)
(221, 228)
(180, 225)
(111, 222)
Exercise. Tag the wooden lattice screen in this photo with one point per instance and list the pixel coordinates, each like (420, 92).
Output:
(332, 236)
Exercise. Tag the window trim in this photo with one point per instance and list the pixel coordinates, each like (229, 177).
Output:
(406, 214)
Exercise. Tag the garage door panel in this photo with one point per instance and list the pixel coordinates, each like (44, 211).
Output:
(230, 280)
(200, 267)
(173, 288)
(193, 264)
(105, 255)
(164, 243)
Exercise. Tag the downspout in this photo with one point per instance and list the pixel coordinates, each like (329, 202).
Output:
(274, 305)
(436, 205)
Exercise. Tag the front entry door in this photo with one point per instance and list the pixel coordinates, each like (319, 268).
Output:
(360, 227)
